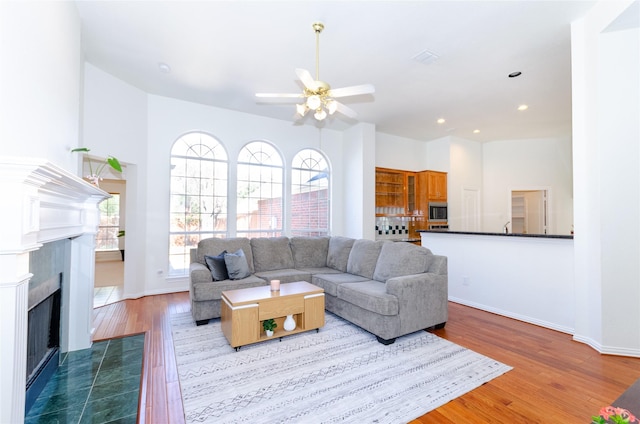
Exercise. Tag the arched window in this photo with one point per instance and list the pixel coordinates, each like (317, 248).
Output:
(198, 205)
(260, 189)
(309, 194)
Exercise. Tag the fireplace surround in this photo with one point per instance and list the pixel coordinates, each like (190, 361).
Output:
(42, 203)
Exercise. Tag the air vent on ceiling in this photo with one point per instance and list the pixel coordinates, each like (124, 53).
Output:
(425, 57)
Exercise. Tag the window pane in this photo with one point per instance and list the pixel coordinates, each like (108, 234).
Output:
(309, 194)
(260, 188)
(107, 236)
(198, 199)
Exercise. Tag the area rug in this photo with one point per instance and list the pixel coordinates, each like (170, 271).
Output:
(339, 374)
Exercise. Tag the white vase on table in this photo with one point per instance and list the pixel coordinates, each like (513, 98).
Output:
(289, 323)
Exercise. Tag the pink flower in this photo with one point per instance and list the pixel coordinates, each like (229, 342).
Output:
(611, 411)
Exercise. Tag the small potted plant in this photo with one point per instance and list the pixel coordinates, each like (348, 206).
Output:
(269, 325)
(94, 177)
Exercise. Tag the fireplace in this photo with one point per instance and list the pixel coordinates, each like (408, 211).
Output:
(43, 337)
(53, 214)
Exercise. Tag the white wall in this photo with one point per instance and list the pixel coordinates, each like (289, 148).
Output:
(530, 279)
(619, 152)
(358, 206)
(115, 123)
(605, 161)
(534, 164)
(439, 155)
(40, 80)
(400, 153)
(168, 119)
(465, 174)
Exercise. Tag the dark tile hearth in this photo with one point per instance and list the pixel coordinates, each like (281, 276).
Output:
(96, 385)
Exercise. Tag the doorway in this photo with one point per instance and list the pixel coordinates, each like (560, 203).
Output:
(110, 245)
(529, 211)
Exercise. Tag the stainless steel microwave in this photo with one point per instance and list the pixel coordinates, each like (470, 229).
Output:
(438, 211)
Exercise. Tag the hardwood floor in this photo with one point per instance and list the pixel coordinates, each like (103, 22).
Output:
(554, 379)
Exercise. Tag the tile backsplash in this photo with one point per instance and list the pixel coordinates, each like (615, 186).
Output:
(392, 227)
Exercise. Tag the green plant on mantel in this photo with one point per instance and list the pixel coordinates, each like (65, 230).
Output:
(96, 176)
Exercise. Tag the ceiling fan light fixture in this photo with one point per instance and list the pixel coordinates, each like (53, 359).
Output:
(301, 109)
(318, 96)
(331, 106)
(313, 102)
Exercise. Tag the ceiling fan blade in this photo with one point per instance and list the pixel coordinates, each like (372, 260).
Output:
(346, 111)
(352, 90)
(306, 78)
(280, 95)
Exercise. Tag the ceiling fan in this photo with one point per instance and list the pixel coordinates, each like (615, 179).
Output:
(318, 95)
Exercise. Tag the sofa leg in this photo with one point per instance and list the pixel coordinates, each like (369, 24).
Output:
(385, 341)
(202, 322)
(438, 326)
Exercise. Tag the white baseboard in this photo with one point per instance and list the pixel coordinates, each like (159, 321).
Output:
(607, 350)
(513, 315)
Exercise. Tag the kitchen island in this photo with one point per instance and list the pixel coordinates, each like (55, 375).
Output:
(528, 277)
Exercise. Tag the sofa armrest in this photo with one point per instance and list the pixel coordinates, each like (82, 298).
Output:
(438, 265)
(422, 299)
(199, 273)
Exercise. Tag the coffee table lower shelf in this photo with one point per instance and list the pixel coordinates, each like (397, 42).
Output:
(244, 310)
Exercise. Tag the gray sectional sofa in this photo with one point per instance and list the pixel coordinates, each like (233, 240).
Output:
(387, 288)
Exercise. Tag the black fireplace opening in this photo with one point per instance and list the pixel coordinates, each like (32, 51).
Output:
(43, 337)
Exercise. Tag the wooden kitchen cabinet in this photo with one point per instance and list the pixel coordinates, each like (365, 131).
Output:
(437, 186)
(432, 187)
(395, 192)
(389, 190)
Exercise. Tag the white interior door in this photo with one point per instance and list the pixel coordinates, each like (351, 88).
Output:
(470, 210)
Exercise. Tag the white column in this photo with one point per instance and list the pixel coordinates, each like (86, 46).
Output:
(14, 291)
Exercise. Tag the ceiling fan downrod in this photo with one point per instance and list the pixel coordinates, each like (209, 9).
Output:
(318, 27)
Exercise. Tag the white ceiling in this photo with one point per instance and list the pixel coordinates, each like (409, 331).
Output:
(222, 52)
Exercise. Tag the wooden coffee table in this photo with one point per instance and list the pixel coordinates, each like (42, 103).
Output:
(243, 310)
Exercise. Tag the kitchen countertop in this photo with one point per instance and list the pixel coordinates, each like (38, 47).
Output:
(409, 240)
(548, 236)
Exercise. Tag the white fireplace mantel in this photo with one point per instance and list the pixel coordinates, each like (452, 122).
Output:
(41, 203)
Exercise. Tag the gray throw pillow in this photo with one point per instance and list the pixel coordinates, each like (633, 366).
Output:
(217, 266)
(237, 266)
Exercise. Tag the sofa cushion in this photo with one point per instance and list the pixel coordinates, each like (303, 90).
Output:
(322, 270)
(370, 295)
(237, 266)
(309, 252)
(330, 282)
(338, 253)
(217, 266)
(213, 289)
(271, 253)
(363, 257)
(214, 246)
(286, 275)
(399, 258)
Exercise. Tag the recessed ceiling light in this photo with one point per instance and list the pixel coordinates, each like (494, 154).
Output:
(440, 121)
(476, 131)
(164, 68)
(515, 74)
(523, 107)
